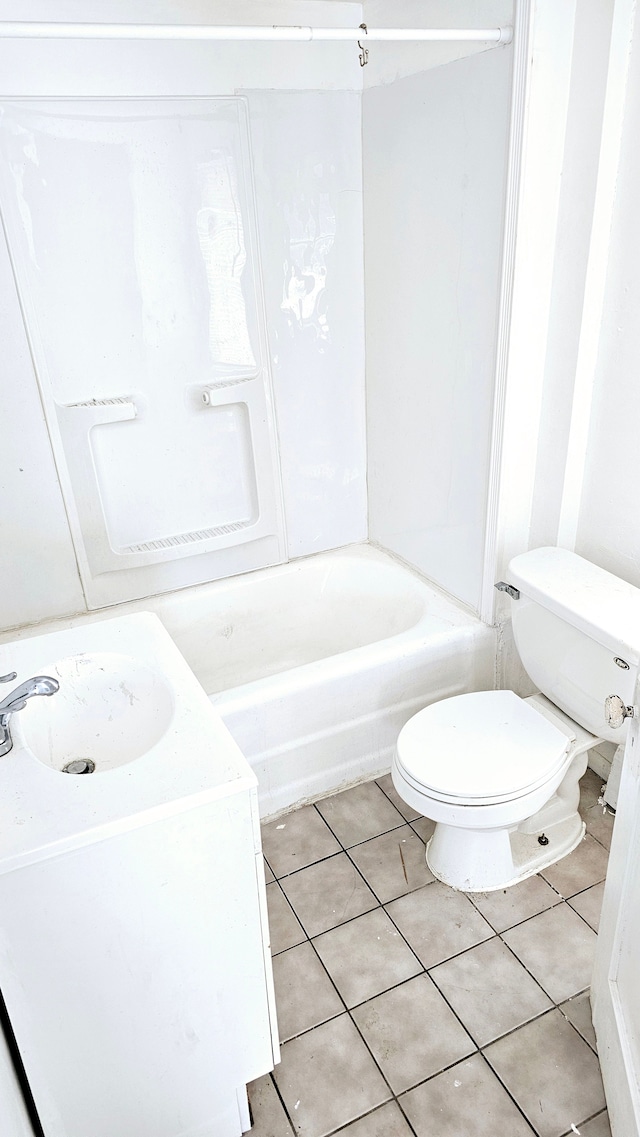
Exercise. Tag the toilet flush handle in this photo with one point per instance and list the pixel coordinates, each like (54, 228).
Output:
(502, 586)
(615, 711)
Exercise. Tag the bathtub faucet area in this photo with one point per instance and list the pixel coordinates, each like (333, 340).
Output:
(17, 699)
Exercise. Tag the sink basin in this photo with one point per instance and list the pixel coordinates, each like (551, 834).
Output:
(110, 709)
(127, 703)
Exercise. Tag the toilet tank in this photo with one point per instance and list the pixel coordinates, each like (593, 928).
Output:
(577, 630)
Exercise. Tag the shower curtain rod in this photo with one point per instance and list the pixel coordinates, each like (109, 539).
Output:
(39, 30)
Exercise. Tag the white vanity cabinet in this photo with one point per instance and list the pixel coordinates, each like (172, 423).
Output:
(135, 977)
(134, 953)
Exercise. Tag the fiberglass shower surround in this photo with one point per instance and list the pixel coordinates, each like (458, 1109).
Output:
(144, 239)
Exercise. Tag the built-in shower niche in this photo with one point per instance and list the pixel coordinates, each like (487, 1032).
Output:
(132, 231)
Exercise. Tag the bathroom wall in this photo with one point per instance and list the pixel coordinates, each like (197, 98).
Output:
(306, 133)
(609, 521)
(435, 148)
(606, 528)
(590, 61)
(391, 61)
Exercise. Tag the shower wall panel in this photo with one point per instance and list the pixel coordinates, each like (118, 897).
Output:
(435, 148)
(133, 236)
(307, 148)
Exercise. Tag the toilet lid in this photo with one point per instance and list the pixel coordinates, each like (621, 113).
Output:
(488, 746)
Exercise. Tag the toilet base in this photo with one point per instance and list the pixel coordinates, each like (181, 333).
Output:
(484, 860)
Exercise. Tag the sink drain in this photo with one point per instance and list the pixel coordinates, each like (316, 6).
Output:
(79, 766)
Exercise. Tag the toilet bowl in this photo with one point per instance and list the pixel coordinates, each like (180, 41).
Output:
(486, 767)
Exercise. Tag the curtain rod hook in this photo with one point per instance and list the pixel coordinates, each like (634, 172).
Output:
(364, 51)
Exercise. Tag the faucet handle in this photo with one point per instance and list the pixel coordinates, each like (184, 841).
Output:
(9, 678)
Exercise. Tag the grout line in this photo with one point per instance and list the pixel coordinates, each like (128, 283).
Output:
(270, 870)
(518, 923)
(583, 918)
(417, 833)
(392, 829)
(363, 1116)
(381, 902)
(574, 1027)
(607, 848)
(281, 1099)
(373, 1057)
(386, 991)
(586, 888)
(310, 865)
(452, 1066)
(408, 822)
(515, 1029)
(529, 972)
(509, 1094)
(328, 974)
(600, 1113)
(372, 836)
(289, 905)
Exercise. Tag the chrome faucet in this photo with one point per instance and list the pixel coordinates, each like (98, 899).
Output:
(17, 700)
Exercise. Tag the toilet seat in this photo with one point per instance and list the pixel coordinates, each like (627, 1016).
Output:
(482, 748)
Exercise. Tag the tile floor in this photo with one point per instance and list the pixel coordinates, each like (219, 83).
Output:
(406, 1008)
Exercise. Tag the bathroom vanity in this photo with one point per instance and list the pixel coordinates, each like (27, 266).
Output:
(134, 955)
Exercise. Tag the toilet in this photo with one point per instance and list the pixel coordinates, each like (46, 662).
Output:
(500, 774)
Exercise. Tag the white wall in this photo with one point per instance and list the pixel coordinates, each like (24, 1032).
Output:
(323, 467)
(609, 522)
(391, 61)
(575, 216)
(608, 531)
(435, 148)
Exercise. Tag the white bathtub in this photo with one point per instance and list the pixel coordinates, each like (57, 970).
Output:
(315, 665)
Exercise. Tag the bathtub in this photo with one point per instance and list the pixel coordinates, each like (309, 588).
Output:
(315, 665)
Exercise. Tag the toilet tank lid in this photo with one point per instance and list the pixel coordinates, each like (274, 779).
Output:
(589, 598)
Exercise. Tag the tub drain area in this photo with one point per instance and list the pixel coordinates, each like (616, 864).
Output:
(79, 766)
